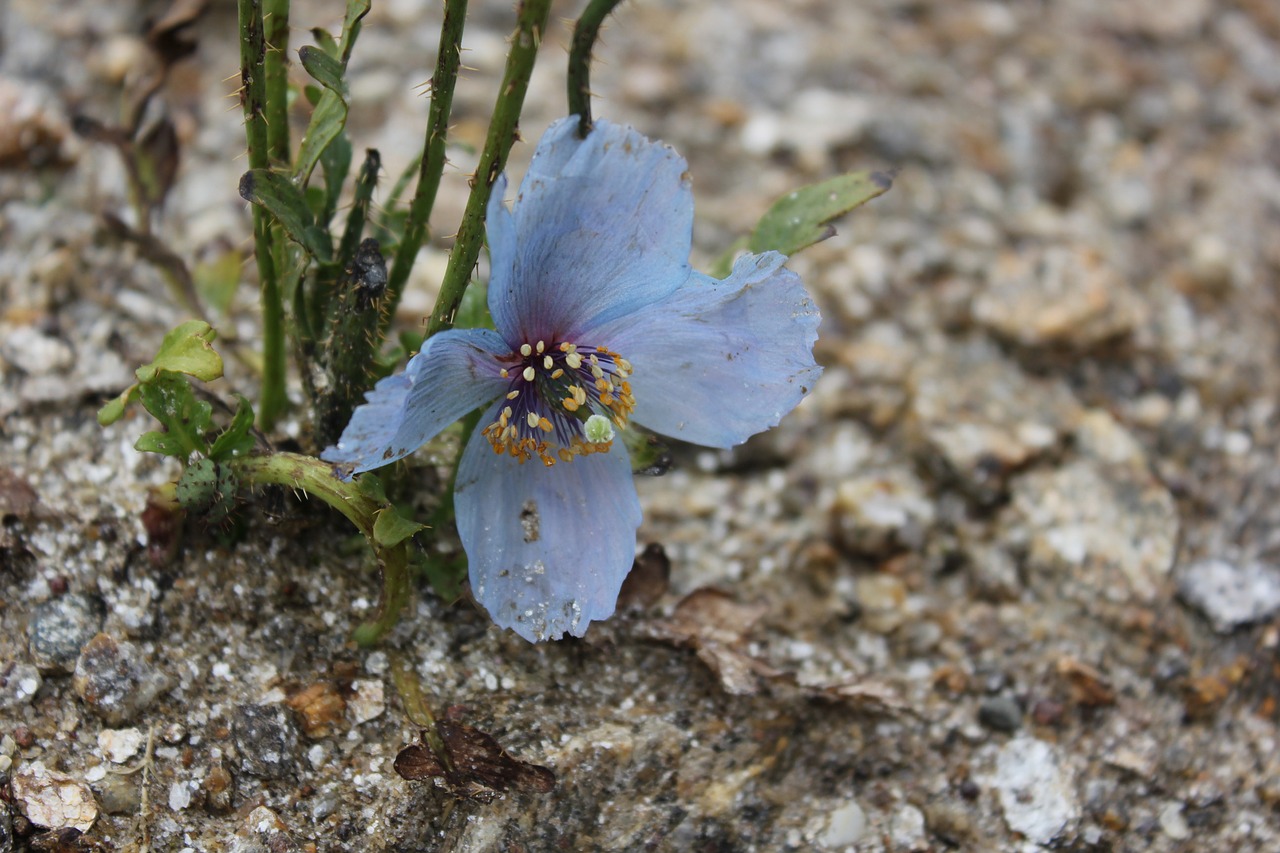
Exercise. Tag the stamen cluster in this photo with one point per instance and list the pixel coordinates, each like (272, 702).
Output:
(553, 390)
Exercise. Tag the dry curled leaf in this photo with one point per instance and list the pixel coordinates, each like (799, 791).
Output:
(1088, 686)
(470, 764)
(711, 623)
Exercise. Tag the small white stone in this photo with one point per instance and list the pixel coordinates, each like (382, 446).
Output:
(368, 700)
(1174, 823)
(179, 796)
(119, 745)
(53, 799)
(845, 826)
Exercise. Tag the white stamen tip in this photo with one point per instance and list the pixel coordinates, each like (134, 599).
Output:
(598, 429)
(529, 373)
(526, 350)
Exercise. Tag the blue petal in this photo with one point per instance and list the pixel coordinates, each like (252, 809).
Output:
(601, 227)
(720, 361)
(455, 372)
(548, 547)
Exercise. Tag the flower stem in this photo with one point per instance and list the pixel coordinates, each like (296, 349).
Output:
(253, 97)
(316, 478)
(531, 21)
(275, 24)
(585, 32)
(431, 165)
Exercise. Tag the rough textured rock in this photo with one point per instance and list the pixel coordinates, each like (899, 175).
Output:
(1036, 793)
(60, 626)
(1230, 594)
(53, 800)
(266, 740)
(116, 681)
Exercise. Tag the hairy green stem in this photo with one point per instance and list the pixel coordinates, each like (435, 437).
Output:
(432, 163)
(317, 479)
(585, 33)
(275, 23)
(531, 22)
(253, 97)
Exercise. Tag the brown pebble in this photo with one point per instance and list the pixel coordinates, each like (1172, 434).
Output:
(320, 706)
(219, 788)
(23, 737)
(1047, 712)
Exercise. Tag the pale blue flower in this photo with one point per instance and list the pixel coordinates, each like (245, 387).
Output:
(598, 314)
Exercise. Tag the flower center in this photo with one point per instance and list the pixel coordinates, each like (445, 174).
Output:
(559, 393)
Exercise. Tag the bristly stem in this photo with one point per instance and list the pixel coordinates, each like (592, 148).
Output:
(585, 32)
(316, 478)
(275, 25)
(531, 22)
(253, 97)
(431, 165)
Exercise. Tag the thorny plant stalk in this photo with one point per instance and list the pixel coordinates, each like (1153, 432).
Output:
(253, 96)
(275, 29)
(531, 22)
(432, 163)
(585, 33)
(316, 478)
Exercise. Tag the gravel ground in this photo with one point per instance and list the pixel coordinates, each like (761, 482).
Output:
(1008, 580)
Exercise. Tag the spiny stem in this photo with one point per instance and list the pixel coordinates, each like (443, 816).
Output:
(275, 21)
(431, 166)
(585, 32)
(317, 479)
(253, 96)
(531, 21)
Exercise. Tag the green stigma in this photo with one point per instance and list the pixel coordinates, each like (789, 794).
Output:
(598, 429)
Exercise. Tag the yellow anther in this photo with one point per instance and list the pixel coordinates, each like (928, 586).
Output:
(532, 419)
(570, 404)
(557, 373)
(547, 362)
(526, 350)
(541, 347)
(529, 373)
(503, 373)
(573, 360)
(544, 424)
(511, 395)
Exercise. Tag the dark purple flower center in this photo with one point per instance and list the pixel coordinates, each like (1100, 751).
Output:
(554, 389)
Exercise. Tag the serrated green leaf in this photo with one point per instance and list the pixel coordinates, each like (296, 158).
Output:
(325, 69)
(169, 399)
(285, 201)
(236, 439)
(390, 528)
(802, 218)
(186, 349)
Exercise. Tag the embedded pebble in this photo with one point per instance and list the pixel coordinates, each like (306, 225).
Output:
(1231, 595)
(265, 739)
(52, 799)
(33, 352)
(880, 511)
(983, 417)
(906, 829)
(846, 825)
(1174, 823)
(1056, 297)
(368, 700)
(60, 626)
(119, 745)
(1000, 713)
(119, 793)
(116, 681)
(263, 830)
(19, 683)
(1036, 795)
(883, 599)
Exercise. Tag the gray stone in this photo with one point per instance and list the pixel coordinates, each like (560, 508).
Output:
(116, 681)
(266, 740)
(879, 511)
(1000, 713)
(1230, 595)
(846, 824)
(19, 683)
(1035, 792)
(60, 626)
(906, 830)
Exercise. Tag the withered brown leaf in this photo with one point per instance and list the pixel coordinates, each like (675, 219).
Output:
(473, 765)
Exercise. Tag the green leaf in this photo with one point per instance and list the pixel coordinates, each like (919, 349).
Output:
(649, 455)
(802, 218)
(186, 349)
(282, 198)
(390, 528)
(335, 163)
(169, 399)
(327, 121)
(236, 439)
(370, 485)
(114, 410)
(326, 69)
(326, 41)
(164, 443)
(356, 9)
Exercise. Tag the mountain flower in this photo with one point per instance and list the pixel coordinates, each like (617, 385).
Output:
(600, 322)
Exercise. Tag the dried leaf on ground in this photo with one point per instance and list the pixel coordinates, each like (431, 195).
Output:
(470, 764)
